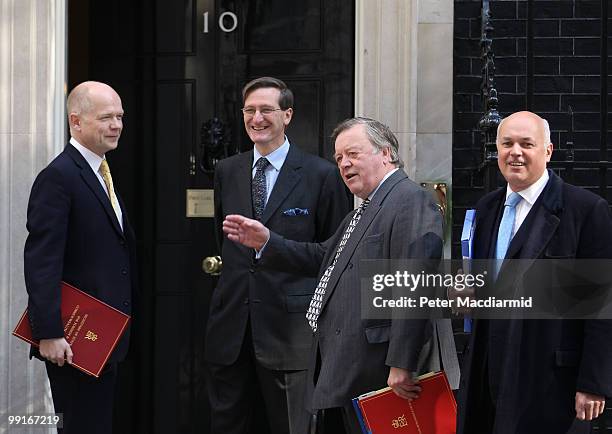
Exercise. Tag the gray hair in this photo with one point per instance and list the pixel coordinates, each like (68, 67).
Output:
(379, 134)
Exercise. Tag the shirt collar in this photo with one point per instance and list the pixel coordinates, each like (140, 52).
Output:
(531, 193)
(381, 182)
(93, 159)
(276, 158)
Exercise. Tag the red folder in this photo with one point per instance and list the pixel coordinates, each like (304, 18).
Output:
(433, 412)
(91, 327)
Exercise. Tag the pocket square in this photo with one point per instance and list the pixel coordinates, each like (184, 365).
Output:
(296, 211)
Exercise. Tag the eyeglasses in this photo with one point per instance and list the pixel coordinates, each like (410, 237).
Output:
(266, 111)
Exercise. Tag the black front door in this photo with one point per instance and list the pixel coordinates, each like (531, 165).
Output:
(179, 66)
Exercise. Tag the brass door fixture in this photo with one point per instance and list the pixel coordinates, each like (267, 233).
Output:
(438, 189)
(212, 265)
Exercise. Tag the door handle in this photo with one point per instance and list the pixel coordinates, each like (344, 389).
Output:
(212, 265)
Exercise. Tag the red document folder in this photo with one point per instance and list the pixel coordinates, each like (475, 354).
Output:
(91, 327)
(433, 412)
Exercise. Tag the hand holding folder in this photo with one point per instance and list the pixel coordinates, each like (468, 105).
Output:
(433, 412)
(56, 350)
(402, 383)
(92, 328)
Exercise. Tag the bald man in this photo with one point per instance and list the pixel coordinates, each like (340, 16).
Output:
(79, 233)
(536, 376)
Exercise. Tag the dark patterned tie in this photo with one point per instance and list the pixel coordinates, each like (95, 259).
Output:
(258, 187)
(317, 298)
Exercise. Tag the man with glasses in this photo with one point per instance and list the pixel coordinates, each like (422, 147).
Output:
(258, 339)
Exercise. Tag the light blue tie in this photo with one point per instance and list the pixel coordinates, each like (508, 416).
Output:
(504, 235)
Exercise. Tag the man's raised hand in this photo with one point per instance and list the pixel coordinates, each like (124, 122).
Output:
(246, 231)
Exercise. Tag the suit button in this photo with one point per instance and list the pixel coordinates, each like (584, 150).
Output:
(122, 242)
(251, 270)
(350, 266)
(126, 303)
(246, 300)
(124, 272)
(337, 331)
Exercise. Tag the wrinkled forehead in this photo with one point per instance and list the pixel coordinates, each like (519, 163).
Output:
(524, 128)
(109, 102)
(354, 138)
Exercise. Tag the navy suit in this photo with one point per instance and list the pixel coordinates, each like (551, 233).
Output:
(520, 377)
(257, 326)
(74, 236)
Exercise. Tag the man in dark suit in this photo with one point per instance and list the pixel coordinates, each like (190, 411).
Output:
(396, 220)
(257, 338)
(79, 233)
(536, 376)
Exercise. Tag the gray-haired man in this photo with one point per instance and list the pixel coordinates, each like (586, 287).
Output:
(397, 220)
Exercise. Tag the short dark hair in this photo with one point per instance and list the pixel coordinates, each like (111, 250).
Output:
(379, 134)
(285, 99)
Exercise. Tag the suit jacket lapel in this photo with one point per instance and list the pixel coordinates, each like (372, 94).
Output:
(366, 219)
(540, 224)
(243, 183)
(94, 184)
(543, 228)
(288, 178)
(537, 229)
(242, 203)
(486, 227)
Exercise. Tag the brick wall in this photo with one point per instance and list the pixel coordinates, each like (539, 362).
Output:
(565, 71)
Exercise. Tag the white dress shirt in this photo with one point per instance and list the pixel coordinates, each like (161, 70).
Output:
(371, 195)
(529, 195)
(277, 159)
(94, 161)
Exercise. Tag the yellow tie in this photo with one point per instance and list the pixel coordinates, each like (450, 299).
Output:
(108, 180)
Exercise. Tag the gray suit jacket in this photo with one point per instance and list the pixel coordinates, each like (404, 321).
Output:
(353, 355)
